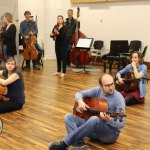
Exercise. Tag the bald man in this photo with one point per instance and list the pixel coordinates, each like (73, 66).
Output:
(103, 128)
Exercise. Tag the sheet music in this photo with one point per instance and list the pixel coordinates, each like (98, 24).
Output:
(85, 42)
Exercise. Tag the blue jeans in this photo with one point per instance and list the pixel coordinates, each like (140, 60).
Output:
(40, 51)
(39, 48)
(94, 128)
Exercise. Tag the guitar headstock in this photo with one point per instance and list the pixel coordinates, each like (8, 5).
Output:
(78, 12)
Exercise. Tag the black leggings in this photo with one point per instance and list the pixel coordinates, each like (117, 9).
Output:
(130, 100)
(9, 106)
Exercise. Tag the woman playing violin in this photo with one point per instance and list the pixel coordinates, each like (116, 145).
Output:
(13, 79)
(139, 71)
(59, 35)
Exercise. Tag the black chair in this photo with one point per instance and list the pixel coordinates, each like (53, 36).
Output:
(144, 51)
(96, 51)
(135, 45)
(117, 49)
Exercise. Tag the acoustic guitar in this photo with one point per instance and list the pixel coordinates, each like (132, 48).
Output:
(96, 105)
(130, 83)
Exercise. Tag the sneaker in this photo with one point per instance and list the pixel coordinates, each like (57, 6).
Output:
(26, 68)
(57, 145)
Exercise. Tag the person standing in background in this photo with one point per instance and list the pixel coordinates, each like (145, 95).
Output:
(9, 36)
(71, 27)
(59, 35)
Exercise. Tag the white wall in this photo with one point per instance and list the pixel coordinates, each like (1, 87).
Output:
(105, 21)
(9, 6)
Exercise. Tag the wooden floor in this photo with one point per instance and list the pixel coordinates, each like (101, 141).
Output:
(49, 98)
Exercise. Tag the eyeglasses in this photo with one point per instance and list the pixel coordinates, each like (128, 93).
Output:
(109, 85)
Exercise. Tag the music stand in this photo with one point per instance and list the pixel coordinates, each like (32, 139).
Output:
(84, 44)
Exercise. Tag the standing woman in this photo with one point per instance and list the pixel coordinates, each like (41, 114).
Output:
(139, 70)
(13, 79)
(9, 36)
(59, 35)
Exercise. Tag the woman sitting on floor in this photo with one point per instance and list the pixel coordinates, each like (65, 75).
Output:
(14, 99)
(139, 70)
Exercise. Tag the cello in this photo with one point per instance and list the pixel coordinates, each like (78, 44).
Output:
(78, 57)
(30, 52)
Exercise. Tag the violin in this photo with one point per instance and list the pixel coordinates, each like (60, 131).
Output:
(54, 34)
(96, 105)
(30, 52)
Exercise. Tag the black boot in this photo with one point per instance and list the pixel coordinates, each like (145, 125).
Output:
(57, 145)
(39, 58)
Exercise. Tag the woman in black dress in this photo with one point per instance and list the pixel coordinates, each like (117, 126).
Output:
(59, 35)
(9, 36)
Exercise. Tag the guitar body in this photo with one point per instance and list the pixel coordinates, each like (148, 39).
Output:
(3, 89)
(130, 83)
(96, 105)
(93, 103)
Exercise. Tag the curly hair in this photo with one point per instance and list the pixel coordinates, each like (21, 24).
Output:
(140, 56)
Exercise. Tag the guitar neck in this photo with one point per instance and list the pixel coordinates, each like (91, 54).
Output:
(112, 114)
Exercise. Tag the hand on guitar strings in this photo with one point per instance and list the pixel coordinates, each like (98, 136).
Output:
(82, 105)
(104, 116)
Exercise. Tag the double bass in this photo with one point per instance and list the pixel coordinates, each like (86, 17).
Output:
(30, 52)
(78, 57)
